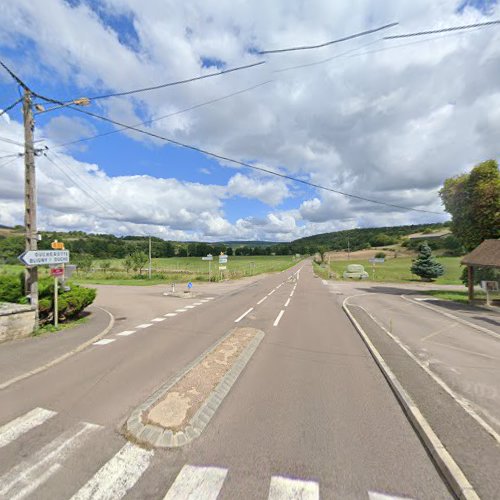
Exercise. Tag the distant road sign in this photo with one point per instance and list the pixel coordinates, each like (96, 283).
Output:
(44, 257)
(208, 257)
(222, 268)
(57, 245)
(377, 261)
(57, 271)
(190, 285)
(222, 259)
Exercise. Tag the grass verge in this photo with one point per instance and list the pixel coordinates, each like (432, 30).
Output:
(50, 328)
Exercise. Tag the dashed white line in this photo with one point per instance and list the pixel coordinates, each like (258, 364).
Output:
(189, 307)
(197, 482)
(126, 333)
(372, 495)
(279, 286)
(282, 488)
(104, 341)
(170, 315)
(157, 320)
(262, 300)
(271, 292)
(277, 320)
(287, 302)
(197, 303)
(181, 310)
(117, 476)
(243, 315)
(210, 298)
(204, 300)
(19, 426)
(291, 293)
(144, 325)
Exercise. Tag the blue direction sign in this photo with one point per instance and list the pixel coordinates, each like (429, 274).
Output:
(44, 257)
(190, 285)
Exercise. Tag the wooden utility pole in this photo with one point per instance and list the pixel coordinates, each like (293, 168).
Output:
(31, 242)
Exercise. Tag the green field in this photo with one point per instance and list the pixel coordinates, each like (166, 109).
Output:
(174, 269)
(398, 270)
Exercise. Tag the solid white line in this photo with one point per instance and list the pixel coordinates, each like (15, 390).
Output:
(181, 310)
(291, 293)
(277, 320)
(116, 477)
(373, 495)
(283, 488)
(261, 300)
(126, 333)
(19, 426)
(287, 302)
(144, 325)
(170, 315)
(157, 320)
(194, 483)
(104, 342)
(27, 476)
(243, 315)
(271, 292)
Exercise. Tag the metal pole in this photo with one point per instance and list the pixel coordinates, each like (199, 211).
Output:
(209, 270)
(31, 275)
(56, 304)
(149, 270)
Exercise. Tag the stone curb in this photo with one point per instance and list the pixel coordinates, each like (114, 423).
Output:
(159, 437)
(66, 355)
(454, 476)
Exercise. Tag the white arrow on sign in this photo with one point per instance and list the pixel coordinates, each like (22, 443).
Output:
(44, 257)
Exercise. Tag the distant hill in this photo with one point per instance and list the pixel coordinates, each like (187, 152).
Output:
(237, 244)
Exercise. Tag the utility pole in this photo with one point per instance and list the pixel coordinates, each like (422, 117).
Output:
(31, 238)
(348, 249)
(149, 270)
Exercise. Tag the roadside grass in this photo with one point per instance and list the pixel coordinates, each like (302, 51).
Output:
(50, 328)
(172, 270)
(398, 270)
(461, 296)
(322, 272)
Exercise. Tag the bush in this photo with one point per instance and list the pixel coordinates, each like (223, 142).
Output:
(12, 287)
(380, 255)
(480, 274)
(73, 302)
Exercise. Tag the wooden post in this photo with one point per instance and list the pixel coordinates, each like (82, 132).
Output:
(470, 282)
(56, 302)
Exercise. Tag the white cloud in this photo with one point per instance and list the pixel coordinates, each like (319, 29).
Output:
(389, 121)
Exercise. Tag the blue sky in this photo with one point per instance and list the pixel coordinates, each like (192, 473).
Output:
(327, 124)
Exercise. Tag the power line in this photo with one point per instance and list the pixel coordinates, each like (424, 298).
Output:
(344, 39)
(178, 82)
(443, 30)
(13, 105)
(241, 163)
(175, 113)
(10, 141)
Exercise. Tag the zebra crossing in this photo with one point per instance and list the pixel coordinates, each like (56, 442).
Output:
(120, 473)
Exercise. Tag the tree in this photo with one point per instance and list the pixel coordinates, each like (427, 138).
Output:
(473, 200)
(139, 260)
(425, 265)
(128, 263)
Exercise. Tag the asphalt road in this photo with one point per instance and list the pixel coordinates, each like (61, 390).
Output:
(310, 416)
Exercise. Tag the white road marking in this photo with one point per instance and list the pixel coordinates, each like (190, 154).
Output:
(116, 477)
(271, 292)
(194, 483)
(27, 476)
(197, 303)
(277, 320)
(20, 425)
(181, 310)
(157, 320)
(372, 495)
(243, 315)
(262, 300)
(210, 298)
(291, 293)
(126, 333)
(190, 307)
(104, 342)
(170, 315)
(324, 282)
(144, 325)
(283, 488)
(287, 302)
(279, 286)
(204, 300)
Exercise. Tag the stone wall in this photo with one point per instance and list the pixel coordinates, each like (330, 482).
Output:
(16, 321)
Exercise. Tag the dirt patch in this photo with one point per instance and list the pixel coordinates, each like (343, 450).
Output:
(188, 394)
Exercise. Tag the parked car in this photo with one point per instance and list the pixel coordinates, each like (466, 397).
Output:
(355, 271)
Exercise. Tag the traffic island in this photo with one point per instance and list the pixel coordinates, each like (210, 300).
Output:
(180, 410)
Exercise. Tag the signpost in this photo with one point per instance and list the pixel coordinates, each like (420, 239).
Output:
(56, 272)
(222, 261)
(489, 286)
(374, 261)
(210, 258)
(190, 285)
(44, 257)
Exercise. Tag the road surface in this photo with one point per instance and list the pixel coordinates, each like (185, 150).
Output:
(311, 415)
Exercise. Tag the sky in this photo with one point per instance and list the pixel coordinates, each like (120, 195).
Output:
(387, 120)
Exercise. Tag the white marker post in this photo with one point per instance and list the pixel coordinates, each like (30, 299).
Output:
(56, 272)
